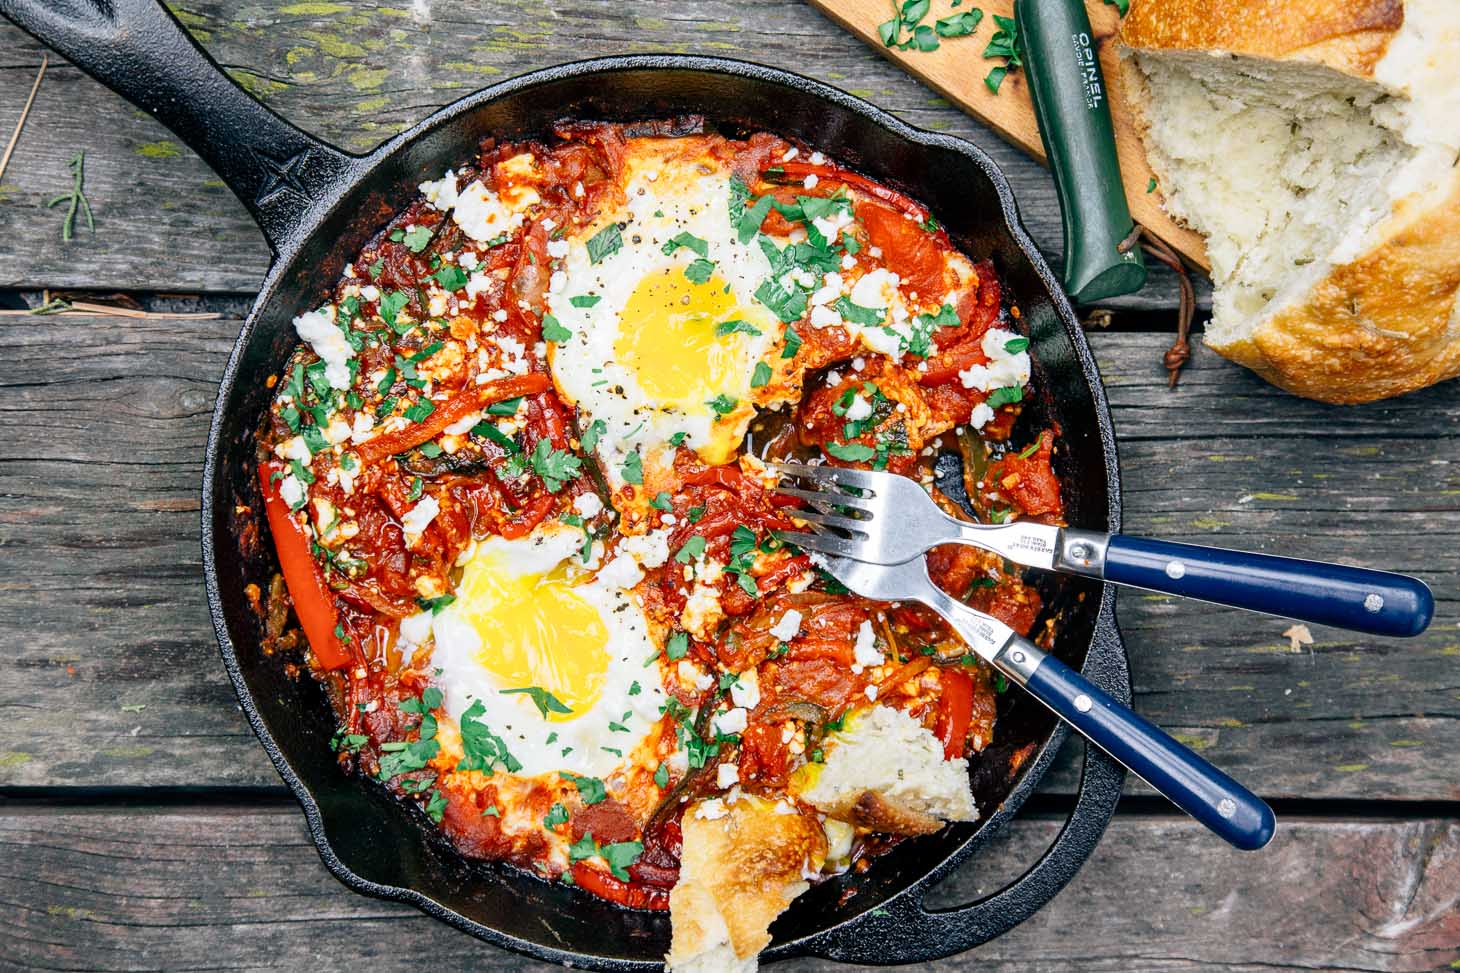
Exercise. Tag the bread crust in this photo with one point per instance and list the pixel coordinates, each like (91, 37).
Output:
(1378, 326)
(1351, 36)
(737, 873)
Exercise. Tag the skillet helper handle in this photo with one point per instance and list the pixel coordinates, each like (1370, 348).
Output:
(1177, 772)
(139, 50)
(1358, 599)
(1072, 110)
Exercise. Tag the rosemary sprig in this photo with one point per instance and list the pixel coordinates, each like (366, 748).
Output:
(75, 199)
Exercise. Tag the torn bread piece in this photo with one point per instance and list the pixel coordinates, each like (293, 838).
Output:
(744, 861)
(1314, 144)
(884, 771)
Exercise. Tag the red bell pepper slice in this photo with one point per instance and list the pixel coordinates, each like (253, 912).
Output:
(630, 894)
(313, 602)
(955, 712)
(463, 404)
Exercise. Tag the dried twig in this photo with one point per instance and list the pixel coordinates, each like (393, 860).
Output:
(76, 198)
(24, 113)
(1180, 351)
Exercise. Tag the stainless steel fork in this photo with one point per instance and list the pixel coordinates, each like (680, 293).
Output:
(883, 518)
(1189, 781)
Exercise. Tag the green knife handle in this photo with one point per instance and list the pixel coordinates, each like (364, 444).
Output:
(1073, 112)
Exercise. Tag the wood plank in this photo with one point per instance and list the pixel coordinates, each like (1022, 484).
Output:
(102, 610)
(954, 71)
(356, 73)
(122, 890)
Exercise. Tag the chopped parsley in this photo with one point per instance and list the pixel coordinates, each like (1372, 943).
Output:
(761, 375)
(507, 407)
(605, 243)
(554, 466)
(850, 452)
(482, 749)
(1015, 345)
(553, 330)
(788, 305)
(584, 300)
(693, 549)
(1005, 396)
(620, 856)
(677, 646)
(436, 807)
(792, 345)
(591, 789)
(592, 434)
(661, 776)
(391, 304)
(435, 605)
(633, 468)
(418, 487)
(420, 411)
(662, 502)
(488, 431)
(545, 701)
(960, 25)
(688, 240)
(416, 238)
(700, 271)
(857, 314)
(557, 814)
(722, 404)
(451, 277)
(725, 328)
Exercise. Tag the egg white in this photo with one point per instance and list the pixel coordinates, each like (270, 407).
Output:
(588, 368)
(619, 717)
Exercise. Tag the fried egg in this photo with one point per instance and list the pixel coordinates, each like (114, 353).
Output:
(666, 343)
(556, 656)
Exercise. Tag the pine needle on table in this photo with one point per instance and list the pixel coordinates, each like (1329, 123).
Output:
(24, 113)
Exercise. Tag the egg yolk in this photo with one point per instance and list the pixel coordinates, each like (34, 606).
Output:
(535, 631)
(667, 339)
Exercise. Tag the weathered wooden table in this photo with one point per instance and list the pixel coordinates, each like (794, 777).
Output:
(142, 826)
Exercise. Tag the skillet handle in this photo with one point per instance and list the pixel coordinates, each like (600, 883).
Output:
(140, 51)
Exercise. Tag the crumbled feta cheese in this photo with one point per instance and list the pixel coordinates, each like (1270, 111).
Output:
(291, 491)
(499, 315)
(731, 721)
(859, 409)
(980, 416)
(877, 289)
(1003, 369)
(370, 292)
(414, 629)
(865, 652)
(557, 248)
(588, 504)
(811, 180)
(651, 550)
(318, 328)
(727, 775)
(692, 675)
(712, 810)
(467, 260)
(463, 425)
(791, 153)
(419, 517)
(848, 261)
(293, 448)
(362, 427)
(817, 158)
(871, 693)
(622, 573)
(436, 304)
(441, 193)
(746, 690)
(785, 630)
(482, 215)
(824, 317)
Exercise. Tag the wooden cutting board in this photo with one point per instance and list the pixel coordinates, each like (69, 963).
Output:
(956, 71)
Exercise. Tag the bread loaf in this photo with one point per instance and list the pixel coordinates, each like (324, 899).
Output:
(1314, 144)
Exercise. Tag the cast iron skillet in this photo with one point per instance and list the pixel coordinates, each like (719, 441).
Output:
(317, 206)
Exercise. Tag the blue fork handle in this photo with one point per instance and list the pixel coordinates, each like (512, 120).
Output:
(1377, 602)
(1187, 780)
